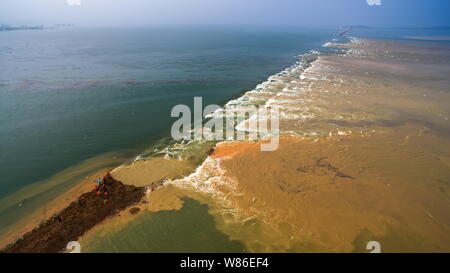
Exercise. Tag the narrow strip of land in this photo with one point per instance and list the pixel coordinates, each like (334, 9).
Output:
(81, 215)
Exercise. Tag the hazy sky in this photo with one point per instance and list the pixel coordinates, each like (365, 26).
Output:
(410, 13)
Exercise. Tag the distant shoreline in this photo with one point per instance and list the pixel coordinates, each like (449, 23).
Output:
(21, 27)
(429, 38)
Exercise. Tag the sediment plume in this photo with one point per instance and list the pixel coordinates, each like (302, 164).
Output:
(364, 155)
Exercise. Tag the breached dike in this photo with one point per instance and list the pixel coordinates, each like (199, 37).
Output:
(88, 210)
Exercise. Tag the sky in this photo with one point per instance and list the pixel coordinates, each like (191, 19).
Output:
(391, 13)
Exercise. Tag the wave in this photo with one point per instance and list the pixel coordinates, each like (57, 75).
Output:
(278, 90)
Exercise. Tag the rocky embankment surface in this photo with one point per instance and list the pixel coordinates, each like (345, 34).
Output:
(81, 215)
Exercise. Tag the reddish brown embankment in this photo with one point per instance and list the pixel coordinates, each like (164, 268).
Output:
(80, 216)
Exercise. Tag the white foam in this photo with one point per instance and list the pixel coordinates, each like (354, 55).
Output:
(209, 178)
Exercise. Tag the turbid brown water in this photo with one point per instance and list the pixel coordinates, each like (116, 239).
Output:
(365, 156)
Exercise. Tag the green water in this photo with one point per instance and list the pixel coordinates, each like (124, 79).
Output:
(191, 229)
